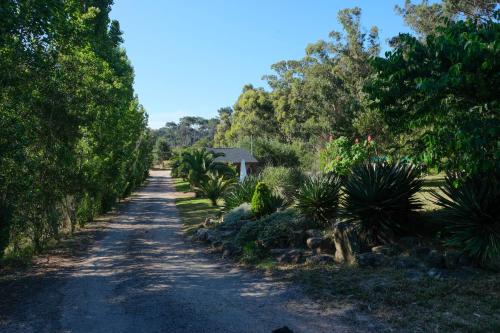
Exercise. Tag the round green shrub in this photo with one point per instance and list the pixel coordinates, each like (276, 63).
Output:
(261, 200)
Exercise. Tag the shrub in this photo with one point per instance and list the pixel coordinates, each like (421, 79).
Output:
(261, 200)
(213, 187)
(240, 193)
(282, 181)
(278, 229)
(379, 199)
(274, 230)
(341, 155)
(318, 198)
(243, 211)
(472, 216)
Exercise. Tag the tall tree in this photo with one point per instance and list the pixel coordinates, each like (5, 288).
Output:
(447, 89)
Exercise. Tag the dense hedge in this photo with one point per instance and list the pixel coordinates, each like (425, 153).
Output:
(73, 136)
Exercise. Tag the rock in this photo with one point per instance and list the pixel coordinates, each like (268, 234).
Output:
(212, 236)
(313, 243)
(370, 259)
(466, 261)
(451, 258)
(278, 252)
(434, 259)
(493, 265)
(403, 262)
(327, 246)
(283, 329)
(226, 233)
(297, 238)
(421, 252)
(414, 275)
(347, 242)
(201, 234)
(435, 273)
(387, 250)
(209, 222)
(230, 250)
(409, 243)
(313, 233)
(291, 257)
(320, 259)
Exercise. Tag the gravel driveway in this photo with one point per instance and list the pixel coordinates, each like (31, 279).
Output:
(141, 276)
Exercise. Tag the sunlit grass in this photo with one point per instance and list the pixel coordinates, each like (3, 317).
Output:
(193, 211)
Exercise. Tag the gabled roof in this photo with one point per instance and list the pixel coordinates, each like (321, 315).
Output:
(233, 155)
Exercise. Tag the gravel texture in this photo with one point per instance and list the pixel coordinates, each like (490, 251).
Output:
(140, 275)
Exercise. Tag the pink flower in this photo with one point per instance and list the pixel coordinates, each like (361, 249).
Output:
(369, 138)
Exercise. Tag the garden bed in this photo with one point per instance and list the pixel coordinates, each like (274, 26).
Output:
(410, 294)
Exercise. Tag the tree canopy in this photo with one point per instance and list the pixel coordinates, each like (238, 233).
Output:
(74, 137)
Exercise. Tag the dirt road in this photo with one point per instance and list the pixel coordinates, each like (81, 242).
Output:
(142, 276)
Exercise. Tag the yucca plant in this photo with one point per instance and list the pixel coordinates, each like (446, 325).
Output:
(379, 198)
(214, 186)
(472, 216)
(240, 193)
(318, 197)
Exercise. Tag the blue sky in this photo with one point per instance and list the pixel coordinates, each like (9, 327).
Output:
(193, 56)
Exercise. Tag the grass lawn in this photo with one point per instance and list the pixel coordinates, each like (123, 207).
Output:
(193, 211)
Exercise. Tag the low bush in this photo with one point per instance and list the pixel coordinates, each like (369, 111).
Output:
(240, 193)
(380, 199)
(318, 198)
(278, 229)
(262, 200)
(242, 212)
(472, 216)
(273, 231)
(282, 181)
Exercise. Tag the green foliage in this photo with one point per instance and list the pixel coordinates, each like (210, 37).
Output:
(73, 137)
(278, 229)
(318, 198)
(447, 89)
(472, 216)
(380, 198)
(312, 97)
(240, 193)
(241, 212)
(282, 181)
(162, 151)
(194, 165)
(214, 186)
(253, 116)
(271, 231)
(188, 132)
(261, 200)
(341, 155)
(271, 152)
(426, 18)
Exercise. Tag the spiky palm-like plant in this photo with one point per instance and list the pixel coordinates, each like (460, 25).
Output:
(472, 216)
(240, 193)
(379, 198)
(214, 186)
(318, 197)
(198, 163)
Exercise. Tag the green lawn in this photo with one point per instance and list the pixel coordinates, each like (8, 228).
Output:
(193, 211)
